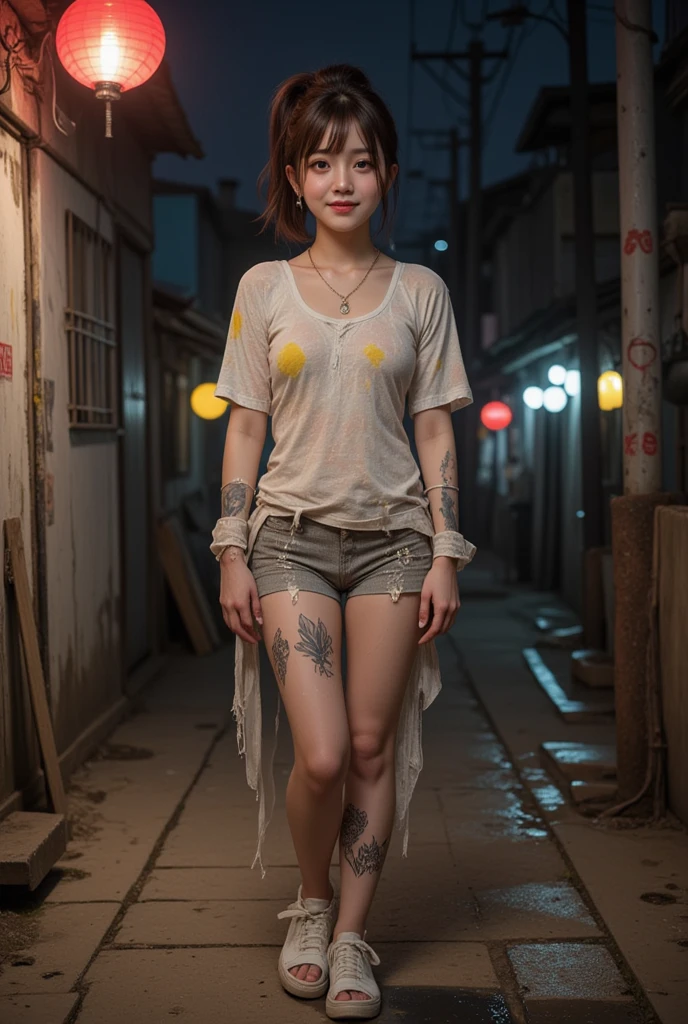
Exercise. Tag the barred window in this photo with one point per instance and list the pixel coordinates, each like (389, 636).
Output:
(90, 329)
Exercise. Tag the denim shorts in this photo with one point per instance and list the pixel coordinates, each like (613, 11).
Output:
(338, 563)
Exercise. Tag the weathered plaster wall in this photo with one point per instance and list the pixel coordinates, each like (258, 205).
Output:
(82, 541)
(15, 492)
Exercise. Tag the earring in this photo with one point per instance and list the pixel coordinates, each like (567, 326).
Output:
(299, 202)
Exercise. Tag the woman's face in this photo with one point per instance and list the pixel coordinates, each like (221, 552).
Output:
(340, 189)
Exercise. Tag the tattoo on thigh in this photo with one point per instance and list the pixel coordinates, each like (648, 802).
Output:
(449, 501)
(316, 643)
(280, 654)
(370, 856)
(234, 499)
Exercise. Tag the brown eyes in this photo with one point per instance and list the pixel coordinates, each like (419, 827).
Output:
(317, 164)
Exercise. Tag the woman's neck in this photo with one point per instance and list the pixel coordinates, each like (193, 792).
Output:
(338, 251)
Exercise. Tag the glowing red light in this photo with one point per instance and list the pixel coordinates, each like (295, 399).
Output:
(117, 41)
(496, 415)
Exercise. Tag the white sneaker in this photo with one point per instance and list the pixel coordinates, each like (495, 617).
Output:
(310, 930)
(351, 961)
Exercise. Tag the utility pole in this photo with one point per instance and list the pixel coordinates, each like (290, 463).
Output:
(633, 516)
(586, 291)
(470, 341)
(453, 142)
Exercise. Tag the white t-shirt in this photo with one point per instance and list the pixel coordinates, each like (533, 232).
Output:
(336, 390)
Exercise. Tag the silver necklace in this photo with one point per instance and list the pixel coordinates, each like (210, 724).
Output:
(345, 307)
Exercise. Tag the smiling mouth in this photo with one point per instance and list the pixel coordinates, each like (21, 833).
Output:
(343, 206)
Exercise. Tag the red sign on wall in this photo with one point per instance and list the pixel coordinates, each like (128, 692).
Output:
(5, 361)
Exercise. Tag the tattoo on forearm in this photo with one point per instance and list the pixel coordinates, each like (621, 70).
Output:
(280, 654)
(449, 502)
(370, 856)
(234, 499)
(316, 643)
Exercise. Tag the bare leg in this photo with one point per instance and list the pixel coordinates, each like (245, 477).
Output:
(304, 642)
(382, 638)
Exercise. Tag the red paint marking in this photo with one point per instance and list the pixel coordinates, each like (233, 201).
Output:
(5, 361)
(650, 443)
(636, 238)
(641, 354)
(631, 444)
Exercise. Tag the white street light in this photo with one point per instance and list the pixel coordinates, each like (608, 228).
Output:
(555, 399)
(441, 245)
(556, 374)
(572, 383)
(533, 397)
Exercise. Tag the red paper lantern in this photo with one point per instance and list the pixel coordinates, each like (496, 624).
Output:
(496, 415)
(110, 46)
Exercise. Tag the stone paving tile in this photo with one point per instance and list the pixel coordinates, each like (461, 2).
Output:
(584, 1011)
(567, 970)
(199, 986)
(464, 965)
(34, 1009)
(221, 986)
(490, 815)
(280, 883)
(534, 910)
(68, 933)
(203, 922)
(445, 1005)
(487, 864)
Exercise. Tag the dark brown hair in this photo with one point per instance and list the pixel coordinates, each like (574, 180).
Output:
(302, 108)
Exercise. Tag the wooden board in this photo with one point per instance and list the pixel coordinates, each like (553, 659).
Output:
(34, 668)
(195, 584)
(184, 585)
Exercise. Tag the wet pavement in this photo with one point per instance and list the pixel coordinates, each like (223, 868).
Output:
(155, 914)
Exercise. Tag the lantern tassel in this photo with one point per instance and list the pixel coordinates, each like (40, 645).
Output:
(108, 119)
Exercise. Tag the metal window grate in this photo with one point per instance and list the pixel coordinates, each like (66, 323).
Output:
(90, 330)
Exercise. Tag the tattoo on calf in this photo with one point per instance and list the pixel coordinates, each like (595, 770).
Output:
(280, 654)
(370, 856)
(316, 643)
(449, 501)
(234, 499)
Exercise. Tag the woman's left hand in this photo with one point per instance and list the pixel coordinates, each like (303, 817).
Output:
(440, 588)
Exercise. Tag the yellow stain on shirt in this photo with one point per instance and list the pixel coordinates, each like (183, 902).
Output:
(438, 365)
(235, 326)
(374, 354)
(291, 360)
(367, 383)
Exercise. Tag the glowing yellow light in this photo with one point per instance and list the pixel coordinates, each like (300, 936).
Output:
(205, 404)
(110, 56)
(610, 390)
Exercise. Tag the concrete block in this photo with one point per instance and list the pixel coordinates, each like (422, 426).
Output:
(584, 708)
(280, 883)
(464, 965)
(33, 1009)
(567, 970)
(563, 1011)
(143, 986)
(204, 922)
(30, 843)
(535, 910)
(448, 1005)
(66, 937)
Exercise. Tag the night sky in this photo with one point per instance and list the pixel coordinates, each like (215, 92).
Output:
(227, 57)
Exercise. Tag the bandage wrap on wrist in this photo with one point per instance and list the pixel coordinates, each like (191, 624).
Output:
(230, 531)
(454, 545)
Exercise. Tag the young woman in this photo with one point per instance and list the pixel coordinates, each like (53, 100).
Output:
(331, 344)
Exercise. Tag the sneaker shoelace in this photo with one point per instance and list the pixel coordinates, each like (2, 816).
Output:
(349, 955)
(313, 933)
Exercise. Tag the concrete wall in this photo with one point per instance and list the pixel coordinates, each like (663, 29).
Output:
(82, 542)
(15, 475)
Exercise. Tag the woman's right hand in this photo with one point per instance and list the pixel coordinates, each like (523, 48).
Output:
(239, 596)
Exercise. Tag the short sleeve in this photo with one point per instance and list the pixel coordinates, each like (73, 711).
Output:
(439, 377)
(245, 372)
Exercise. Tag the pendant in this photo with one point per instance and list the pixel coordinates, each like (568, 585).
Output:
(344, 308)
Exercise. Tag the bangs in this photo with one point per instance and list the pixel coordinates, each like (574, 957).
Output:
(334, 117)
